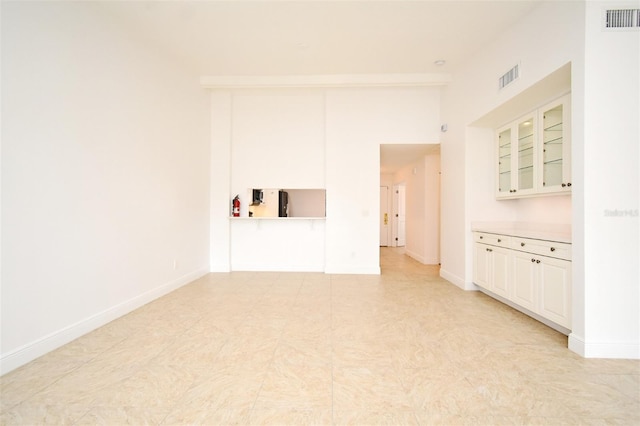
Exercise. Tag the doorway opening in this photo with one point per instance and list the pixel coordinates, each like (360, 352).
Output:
(410, 200)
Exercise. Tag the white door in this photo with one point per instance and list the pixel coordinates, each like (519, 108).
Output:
(401, 216)
(384, 216)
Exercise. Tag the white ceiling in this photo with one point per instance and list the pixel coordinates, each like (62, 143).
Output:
(276, 38)
(394, 157)
(318, 37)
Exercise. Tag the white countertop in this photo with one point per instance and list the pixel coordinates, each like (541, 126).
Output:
(540, 231)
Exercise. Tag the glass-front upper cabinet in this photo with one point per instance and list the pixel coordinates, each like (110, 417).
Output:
(516, 158)
(555, 147)
(534, 152)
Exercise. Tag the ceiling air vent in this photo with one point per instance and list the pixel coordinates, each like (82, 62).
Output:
(622, 18)
(508, 77)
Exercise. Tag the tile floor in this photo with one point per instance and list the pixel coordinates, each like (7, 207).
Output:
(405, 347)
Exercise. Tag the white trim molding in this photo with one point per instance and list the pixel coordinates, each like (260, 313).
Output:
(320, 81)
(612, 350)
(456, 280)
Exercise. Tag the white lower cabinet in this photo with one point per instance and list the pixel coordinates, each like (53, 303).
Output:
(491, 265)
(516, 269)
(554, 278)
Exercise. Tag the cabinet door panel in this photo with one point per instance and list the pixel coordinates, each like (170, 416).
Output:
(500, 276)
(481, 265)
(555, 146)
(504, 162)
(555, 285)
(526, 155)
(524, 281)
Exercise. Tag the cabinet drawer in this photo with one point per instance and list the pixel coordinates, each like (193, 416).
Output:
(543, 248)
(491, 239)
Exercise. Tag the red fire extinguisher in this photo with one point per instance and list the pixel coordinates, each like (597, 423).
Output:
(236, 206)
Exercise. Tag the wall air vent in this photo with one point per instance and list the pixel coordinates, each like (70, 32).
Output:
(622, 18)
(509, 77)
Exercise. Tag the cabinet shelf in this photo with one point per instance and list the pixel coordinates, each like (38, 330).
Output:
(554, 141)
(557, 161)
(554, 128)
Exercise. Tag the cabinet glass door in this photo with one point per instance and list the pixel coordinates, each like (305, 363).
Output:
(504, 161)
(552, 136)
(525, 154)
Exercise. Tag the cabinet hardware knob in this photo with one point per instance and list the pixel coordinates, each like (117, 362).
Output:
(537, 261)
(521, 244)
(481, 237)
(533, 260)
(569, 184)
(499, 240)
(564, 184)
(553, 249)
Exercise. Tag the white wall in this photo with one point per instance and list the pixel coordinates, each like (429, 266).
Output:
(221, 193)
(611, 182)
(422, 183)
(292, 244)
(321, 138)
(432, 209)
(104, 175)
(278, 141)
(358, 122)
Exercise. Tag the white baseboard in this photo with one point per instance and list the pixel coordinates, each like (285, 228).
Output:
(422, 259)
(454, 279)
(613, 350)
(415, 256)
(361, 270)
(27, 353)
(271, 268)
(526, 311)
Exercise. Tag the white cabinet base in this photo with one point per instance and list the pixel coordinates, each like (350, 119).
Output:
(527, 312)
(531, 275)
